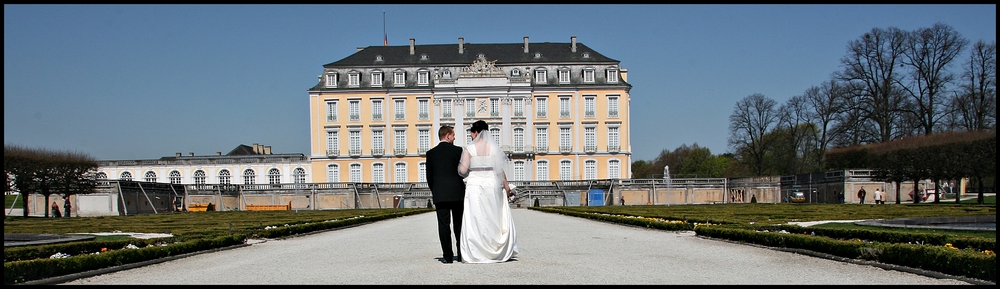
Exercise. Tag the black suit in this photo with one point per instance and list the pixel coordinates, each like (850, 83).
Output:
(448, 193)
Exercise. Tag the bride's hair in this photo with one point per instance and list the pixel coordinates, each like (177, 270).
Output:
(479, 126)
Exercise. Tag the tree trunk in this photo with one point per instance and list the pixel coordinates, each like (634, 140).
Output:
(898, 184)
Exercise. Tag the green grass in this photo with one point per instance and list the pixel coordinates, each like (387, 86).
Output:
(9, 200)
(963, 233)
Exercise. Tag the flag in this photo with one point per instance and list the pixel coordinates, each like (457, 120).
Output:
(385, 41)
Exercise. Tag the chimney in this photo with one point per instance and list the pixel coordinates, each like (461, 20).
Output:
(411, 47)
(360, 48)
(218, 153)
(461, 45)
(572, 39)
(526, 44)
(191, 154)
(177, 155)
(256, 148)
(267, 150)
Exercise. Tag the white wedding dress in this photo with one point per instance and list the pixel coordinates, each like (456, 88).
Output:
(488, 234)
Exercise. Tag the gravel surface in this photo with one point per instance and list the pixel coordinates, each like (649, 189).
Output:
(554, 249)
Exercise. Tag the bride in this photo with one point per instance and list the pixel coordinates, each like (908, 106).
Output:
(488, 234)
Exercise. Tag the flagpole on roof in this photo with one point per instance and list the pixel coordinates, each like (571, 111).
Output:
(385, 37)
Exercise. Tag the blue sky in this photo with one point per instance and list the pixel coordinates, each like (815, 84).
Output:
(146, 81)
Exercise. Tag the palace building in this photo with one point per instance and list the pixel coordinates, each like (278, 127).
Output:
(559, 110)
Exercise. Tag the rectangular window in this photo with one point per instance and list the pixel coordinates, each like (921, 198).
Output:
(588, 76)
(376, 79)
(332, 143)
(590, 139)
(354, 138)
(399, 105)
(542, 171)
(354, 110)
(376, 110)
(423, 78)
(541, 107)
(613, 145)
(331, 111)
(612, 76)
(331, 80)
(355, 173)
(519, 107)
(354, 80)
(378, 143)
(613, 106)
(565, 140)
(470, 107)
(564, 76)
(423, 141)
(519, 140)
(446, 108)
(494, 107)
(540, 76)
(541, 140)
(564, 107)
(423, 109)
(399, 79)
(565, 170)
(519, 171)
(399, 143)
(589, 106)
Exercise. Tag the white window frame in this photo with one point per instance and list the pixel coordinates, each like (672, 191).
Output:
(332, 142)
(423, 140)
(589, 139)
(541, 107)
(612, 75)
(519, 170)
(150, 176)
(565, 139)
(354, 139)
(377, 110)
(225, 177)
(590, 169)
(542, 170)
(540, 77)
(174, 177)
(423, 109)
(518, 107)
(378, 142)
(355, 173)
(613, 140)
(274, 176)
(564, 107)
(588, 75)
(446, 108)
(378, 172)
(354, 79)
(470, 107)
(399, 105)
(422, 172)
(613, 106)
(614, 169)
(399, 78)
(589, 106)
(565, 170)
(331, 80)
(377, 79)
(494, 107)
(423, 78)
(199, 177)
(564, 76)
(399, 140)
(249, 177)
(400, 172)
(542, 139)
(518, 143)
(354, 110)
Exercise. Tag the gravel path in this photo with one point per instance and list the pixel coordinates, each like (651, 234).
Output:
(555, 249)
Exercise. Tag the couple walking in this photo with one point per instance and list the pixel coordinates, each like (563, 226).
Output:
(469, 189)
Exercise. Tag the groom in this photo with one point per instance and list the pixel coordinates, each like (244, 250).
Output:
(447, 189)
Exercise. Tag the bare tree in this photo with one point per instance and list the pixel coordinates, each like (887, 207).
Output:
(871, 64)
(975, 106)
(826, 103)
(929, 52)
(753, 117)
(796, 142)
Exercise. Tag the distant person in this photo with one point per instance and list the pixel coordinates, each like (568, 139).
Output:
(67, 206)
(879, 196)
(55, 210)
(862, 194)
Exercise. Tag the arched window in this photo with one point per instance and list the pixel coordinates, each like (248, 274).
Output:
(299, 176)
(150, 176)
(249, 177)
(225, 177)
(332, 173)
(126, 176)
(355, 173)
(274, 176)
(175, 177)
(199, 177)
(101, 175)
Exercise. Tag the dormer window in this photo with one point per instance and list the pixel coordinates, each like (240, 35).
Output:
(586, 55)
(377, 79)
(378, 58)
(612, 76)
(588, 75)
(354, 79)
(515, 73)
(331, 79)
(446, 74)
(423, 56)
(399, 78)
(540, 75)
(538, 55)
(564, 75)
(423, 77)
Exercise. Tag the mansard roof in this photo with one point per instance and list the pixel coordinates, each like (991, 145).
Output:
(448, 54)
